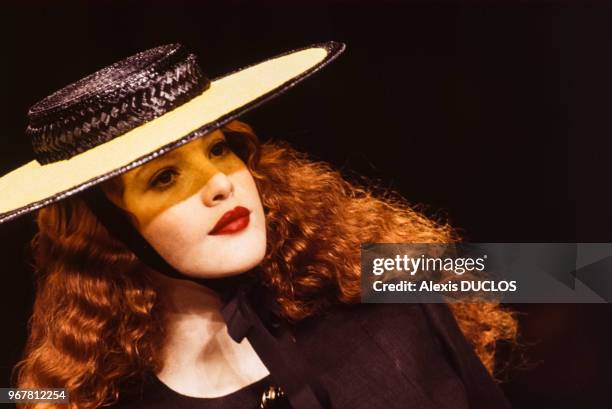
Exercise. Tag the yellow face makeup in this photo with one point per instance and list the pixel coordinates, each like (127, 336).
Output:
(165, 181)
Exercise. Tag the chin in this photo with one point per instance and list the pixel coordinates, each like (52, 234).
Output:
(241, 263)
(239, 267)
(230, 271)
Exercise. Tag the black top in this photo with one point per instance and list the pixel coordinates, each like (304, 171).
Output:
(155, 394)
(370, 356)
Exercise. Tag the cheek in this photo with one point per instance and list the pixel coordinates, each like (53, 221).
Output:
(173, 228)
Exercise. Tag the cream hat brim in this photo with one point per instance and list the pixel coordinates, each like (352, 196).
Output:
(33, 185)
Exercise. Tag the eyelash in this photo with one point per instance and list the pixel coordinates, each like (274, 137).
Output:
(155, 182)
(221, 143)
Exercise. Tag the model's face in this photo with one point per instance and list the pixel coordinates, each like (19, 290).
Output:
(178, 198)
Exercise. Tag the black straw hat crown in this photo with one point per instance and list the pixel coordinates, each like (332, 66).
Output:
(112, 101)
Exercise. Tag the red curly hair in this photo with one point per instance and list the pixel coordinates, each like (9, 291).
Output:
(97, 322)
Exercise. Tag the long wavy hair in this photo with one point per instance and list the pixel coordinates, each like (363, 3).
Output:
(96, 323)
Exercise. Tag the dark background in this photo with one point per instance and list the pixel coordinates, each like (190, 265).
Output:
(496, 115)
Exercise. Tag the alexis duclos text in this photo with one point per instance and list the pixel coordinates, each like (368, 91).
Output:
(456, 265)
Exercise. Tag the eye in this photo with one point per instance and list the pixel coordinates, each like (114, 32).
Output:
(163, 179)
(219, 148)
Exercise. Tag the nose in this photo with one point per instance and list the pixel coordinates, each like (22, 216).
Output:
(217, 189)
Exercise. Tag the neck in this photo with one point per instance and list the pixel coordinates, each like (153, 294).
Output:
(200, 358)
(186, 298)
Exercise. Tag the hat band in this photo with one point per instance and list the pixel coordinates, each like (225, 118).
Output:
(79, 129)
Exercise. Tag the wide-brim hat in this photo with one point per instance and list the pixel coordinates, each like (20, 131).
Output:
(136, 110)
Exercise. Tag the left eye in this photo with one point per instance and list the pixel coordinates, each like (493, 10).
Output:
(219, 149)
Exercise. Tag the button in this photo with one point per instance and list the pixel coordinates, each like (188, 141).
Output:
(270, 395)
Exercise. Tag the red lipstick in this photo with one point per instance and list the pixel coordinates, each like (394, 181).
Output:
(232, 221)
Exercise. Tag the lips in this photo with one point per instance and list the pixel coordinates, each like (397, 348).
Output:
(232, 221)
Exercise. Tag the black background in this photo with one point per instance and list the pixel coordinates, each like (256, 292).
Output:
(496, 115)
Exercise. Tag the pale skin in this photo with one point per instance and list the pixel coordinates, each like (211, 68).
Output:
(175, 201)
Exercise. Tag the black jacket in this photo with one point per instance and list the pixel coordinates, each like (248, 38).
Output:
(384, 356)
(397, 356)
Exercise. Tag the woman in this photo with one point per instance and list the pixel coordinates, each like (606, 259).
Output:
(221, 272)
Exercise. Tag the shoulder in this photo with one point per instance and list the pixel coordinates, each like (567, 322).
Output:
(401, 333)
(385, 352)
(384, 323)
(418, 348)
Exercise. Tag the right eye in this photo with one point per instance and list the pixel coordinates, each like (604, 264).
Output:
(163, 179)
